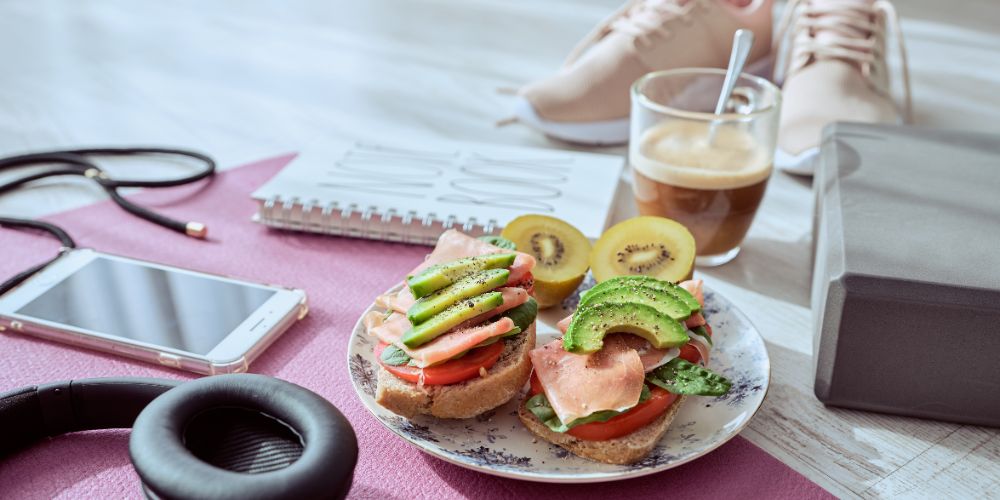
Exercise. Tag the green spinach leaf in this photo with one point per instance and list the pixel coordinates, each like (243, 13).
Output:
(394, 356)
(682, 377)
(701, 331)
(522, 315)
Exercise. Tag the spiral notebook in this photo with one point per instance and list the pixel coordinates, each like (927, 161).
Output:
(414, 192)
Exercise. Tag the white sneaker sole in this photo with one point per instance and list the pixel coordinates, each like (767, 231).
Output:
(597, 133)
(803, 163)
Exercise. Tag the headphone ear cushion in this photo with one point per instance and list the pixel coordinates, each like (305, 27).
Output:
(243, 436)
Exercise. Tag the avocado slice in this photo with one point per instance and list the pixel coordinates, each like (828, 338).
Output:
(441, 275)
(470, 286)
(646, 282)
(451, 317)
(590, 324)
(660, 300)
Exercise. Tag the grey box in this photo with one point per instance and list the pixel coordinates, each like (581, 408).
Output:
(906, 278)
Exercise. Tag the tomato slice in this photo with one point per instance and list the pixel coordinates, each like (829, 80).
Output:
(536, 385)
(449, 372)
(627, 422)
(623, 424)
(690, 353)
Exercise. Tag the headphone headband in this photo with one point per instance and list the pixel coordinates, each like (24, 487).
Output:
(32, 413)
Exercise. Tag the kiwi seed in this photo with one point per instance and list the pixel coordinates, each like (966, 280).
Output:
(561, 253)
(647, 245)
(549, 254)
(627, 255)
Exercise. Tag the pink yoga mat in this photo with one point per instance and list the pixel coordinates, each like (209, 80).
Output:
(341, 276)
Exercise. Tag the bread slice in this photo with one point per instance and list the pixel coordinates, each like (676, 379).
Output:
(627, 449)
(501, 383)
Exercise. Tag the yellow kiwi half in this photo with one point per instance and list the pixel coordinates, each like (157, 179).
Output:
(561, 252)
(650, 246)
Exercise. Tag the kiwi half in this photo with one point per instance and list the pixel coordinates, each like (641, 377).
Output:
(649, 246)
(560, 250)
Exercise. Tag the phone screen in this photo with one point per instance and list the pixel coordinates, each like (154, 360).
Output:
(172, 309)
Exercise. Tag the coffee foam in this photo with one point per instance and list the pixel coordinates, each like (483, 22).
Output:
(678, 153)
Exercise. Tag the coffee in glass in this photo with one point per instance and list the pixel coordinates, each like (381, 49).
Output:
(706, 171)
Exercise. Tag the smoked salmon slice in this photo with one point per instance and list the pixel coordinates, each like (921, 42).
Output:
(694, 287)
(512, 297)
(400, 301)
(651, 357)
(577, 385)
(443, 348)
(391, 331)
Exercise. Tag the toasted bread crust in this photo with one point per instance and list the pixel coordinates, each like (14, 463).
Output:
(624, 450)
(467, 399)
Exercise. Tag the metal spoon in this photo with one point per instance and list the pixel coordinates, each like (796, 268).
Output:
(742, 42)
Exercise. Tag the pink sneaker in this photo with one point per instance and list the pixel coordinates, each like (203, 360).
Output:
(587, 101)
(834, 67)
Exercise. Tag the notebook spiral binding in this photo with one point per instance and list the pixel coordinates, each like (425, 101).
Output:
(365, 222)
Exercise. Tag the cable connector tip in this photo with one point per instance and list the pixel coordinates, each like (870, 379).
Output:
(196, 230)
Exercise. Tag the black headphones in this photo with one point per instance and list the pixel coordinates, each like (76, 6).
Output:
(224, 436)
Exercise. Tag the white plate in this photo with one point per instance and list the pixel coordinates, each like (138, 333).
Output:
(497, 443)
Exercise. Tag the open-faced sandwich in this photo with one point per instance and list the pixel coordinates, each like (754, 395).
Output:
(630, 354)
(454, 340)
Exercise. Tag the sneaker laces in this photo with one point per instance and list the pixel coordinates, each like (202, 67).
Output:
(638, 18)
(839, 29)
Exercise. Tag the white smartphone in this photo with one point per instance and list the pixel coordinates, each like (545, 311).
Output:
(175, 317)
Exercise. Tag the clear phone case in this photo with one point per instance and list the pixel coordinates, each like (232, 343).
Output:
(172, 359)
(280, 321)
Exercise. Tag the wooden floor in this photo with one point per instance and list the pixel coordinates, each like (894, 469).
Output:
(246, 80)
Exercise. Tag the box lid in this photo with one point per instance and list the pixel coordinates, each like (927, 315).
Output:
(913, 205)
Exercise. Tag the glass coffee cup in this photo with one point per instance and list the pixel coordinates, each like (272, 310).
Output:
(709, 172)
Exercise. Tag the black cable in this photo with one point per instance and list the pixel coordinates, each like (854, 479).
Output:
(208, 171)
(189, 228)
(54, 230)
(80, 157)
(58, 232)
(77, 162)
(10, 186)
